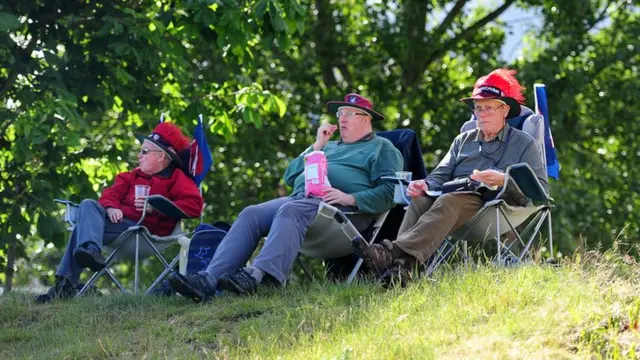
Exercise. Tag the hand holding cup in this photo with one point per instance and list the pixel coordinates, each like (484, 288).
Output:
(141, 195)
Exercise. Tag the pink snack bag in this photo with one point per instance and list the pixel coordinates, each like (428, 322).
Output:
(316, 182)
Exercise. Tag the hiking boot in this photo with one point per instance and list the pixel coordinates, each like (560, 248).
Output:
(194, 286)
(89, 257)
(400, 273)
(240, 282)
(63, 289)
(377, 256)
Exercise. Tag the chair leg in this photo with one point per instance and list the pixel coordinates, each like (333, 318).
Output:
(441, 255)
(164, 274)
(96, 275)
(356, 267)
(354, 272)
(535, 232)
(89, 283)
(553, 255)
(498, 243)
(135, 278)
(115, 281)
(305, 268)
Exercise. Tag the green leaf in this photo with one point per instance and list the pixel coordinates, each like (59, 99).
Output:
(252, 117)
(282, 107)
(260, 8)
(275, 15)
(8, 22)
(48, 226)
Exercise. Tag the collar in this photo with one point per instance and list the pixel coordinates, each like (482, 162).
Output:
(367, 137)
(166, 173)
(501, 135)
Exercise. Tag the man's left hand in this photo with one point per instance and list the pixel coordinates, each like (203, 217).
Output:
(337, 197)
(489, 177)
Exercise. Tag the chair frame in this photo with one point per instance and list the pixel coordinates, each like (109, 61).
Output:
(499, 206)
(124, 239)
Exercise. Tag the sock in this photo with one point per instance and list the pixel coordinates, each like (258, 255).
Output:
(255, 273)
(91, 245)
(211, 279)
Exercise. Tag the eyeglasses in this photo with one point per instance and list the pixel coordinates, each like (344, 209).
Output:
(145, 151)
(349, 113)
(487, 109)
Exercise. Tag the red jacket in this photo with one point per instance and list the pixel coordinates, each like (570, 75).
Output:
(170, 183)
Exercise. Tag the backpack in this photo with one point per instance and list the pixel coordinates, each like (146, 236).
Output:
(203, 246)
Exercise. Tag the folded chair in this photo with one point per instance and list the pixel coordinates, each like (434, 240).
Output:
(137, 242)
(496, 217)
(330, 234)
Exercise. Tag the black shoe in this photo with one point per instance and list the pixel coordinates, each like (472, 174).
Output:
(63, 289)
(239, 282)
(89, 257)
(194, 286)
(163, 289)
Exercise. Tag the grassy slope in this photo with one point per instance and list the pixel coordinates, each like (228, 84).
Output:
(574, 311)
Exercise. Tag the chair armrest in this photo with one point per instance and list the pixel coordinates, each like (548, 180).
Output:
(66, 202)
(401, 180)
(71, 213)
(527, 182)
(166, 207)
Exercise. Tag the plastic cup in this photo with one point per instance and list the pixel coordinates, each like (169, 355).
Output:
(404, 175)
(142, 191)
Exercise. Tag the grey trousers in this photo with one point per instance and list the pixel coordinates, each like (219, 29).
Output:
(93, 228)
(284, 221)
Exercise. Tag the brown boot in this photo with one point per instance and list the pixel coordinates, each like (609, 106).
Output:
(400, 273)
(377, 256)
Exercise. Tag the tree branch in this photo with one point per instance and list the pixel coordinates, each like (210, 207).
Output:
(446, 23)
(415, 20)
(468, 32)
(323, 36)
(603, 15)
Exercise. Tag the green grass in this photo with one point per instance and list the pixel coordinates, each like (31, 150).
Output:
(582, 309)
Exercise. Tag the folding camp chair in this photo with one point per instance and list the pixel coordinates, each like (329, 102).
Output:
(128, 245)
(330, 234)
(496, 217)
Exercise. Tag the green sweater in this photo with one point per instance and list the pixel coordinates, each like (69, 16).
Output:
(356, 169)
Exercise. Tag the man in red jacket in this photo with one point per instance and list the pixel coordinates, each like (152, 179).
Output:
(100, 222)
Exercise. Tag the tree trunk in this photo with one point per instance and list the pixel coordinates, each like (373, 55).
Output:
(11, 260)
(323, 36)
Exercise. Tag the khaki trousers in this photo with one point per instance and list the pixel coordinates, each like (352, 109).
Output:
(428, 221)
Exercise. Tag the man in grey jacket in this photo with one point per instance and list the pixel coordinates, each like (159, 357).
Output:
(481, 154)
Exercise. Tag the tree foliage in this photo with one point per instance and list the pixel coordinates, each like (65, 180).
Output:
(79, 78)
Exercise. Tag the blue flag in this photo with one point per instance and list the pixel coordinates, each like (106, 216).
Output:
(200, 159)
(542, 108)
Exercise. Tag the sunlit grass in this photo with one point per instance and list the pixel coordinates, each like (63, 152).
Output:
(582, 309)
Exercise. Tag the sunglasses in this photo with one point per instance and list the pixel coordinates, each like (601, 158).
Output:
(145, 151)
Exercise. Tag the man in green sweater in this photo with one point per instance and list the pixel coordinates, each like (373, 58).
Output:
(356, 165)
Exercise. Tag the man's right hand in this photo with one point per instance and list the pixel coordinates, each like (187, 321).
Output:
(325, 131)
(417, 188)
(115, 215)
